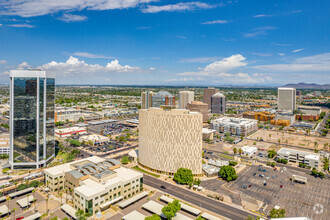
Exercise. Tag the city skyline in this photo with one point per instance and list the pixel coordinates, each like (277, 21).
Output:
(145, 42)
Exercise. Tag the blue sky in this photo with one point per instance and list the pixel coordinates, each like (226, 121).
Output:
(146, 42)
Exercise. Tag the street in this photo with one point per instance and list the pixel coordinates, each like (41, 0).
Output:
(197, 199)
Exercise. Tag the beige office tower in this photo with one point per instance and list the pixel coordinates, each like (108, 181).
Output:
(201, 107)
(146, 99)
(286, 99)
(185, 97)
(169, 140)
(208, 93)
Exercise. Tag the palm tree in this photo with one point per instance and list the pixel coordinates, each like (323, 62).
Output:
(16, 186)
(34, 204)
(47, 203)
(66, 195)
(14, 211)
(61, 196)
(8, 199)
(316, 145)
(27, 200)
(240, 151)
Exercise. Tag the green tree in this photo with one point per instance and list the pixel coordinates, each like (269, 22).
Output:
(183, 176)
(277, 213)
(75, 143)
(197, 181)
(235, 150)
(271, 153)
(240, 151)
(125, 160)
(80, 215)
(200, 218)
(228, 173)
(171, 209)
(153, 217)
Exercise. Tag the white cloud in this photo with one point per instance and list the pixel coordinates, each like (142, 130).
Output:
(199, 60)
(0, 25)
(298, 50)
(21, 25)
(72, 18)
(262, 54)
(281, 54)
(75, 66)
(282, 45)
(262, 16)
(23, 65)
(89, 55)
(319, 62)
(3, 61)
(185, 79)
(181, 37)
(220, 67)
(181, 6)
(216, 22)
(223, 69)
(260, 31)
(32, 8)
(143, 28)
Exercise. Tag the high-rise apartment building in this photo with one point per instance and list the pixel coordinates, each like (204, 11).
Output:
(201, 107)
(218, 103)
(286, 99)
(146, 99)
(185, 97)
(208, 93)
(170, 139)
(163, 98)
(32, 110)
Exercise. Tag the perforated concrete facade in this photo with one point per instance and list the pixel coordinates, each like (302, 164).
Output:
(169, 140)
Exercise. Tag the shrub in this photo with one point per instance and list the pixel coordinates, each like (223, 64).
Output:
(22, 186)
(232, 163)
(34, 183)
(282, 161)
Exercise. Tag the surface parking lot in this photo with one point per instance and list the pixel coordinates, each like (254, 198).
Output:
(108, 128)
(310, 200)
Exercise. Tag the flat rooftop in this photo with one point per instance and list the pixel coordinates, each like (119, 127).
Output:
(89, 187)
(308, 155)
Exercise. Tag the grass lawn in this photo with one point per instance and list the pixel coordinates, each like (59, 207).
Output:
(226, 156)
(144, 171)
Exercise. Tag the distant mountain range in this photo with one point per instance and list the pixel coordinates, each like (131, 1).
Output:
(308, 86)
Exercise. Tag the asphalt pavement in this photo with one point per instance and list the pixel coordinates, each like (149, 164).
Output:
(204, 202)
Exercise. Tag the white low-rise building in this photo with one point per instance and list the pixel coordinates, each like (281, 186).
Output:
(94, 183)
(249, 150)
(297, 156)
(235, 126)
(218, 163)
(96, 139)
(67, 132)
